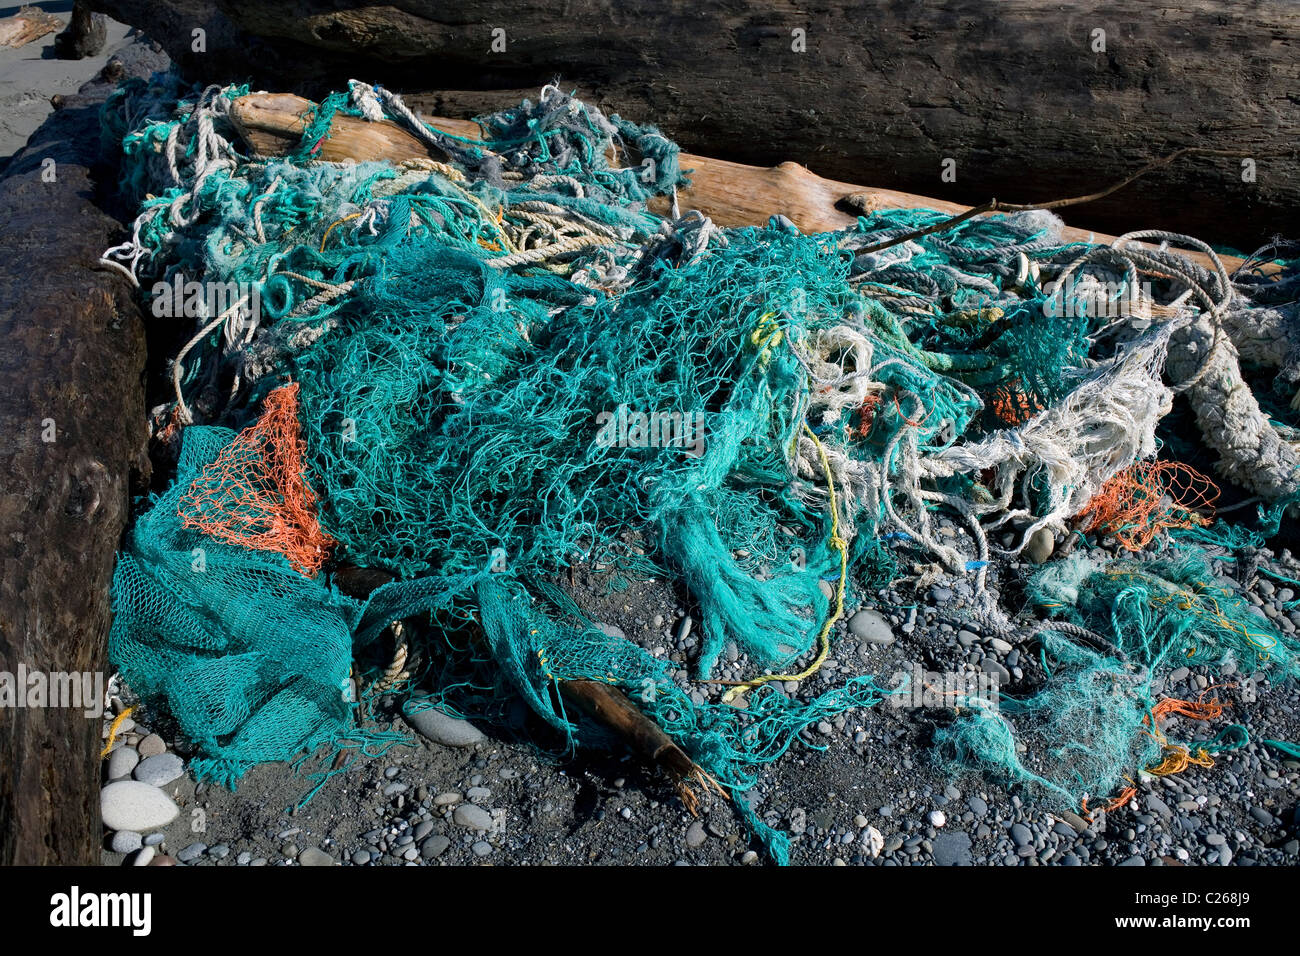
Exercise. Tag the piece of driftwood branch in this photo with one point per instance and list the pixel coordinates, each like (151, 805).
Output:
(28, 24)
(731, 194)
(613, 708)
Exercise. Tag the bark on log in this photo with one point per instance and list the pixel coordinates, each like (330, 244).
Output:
(1020, 93)
(72, 413)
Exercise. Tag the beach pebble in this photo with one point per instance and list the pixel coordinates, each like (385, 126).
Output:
(440, 728)
(192, 852)
(159, 770)
(126, 841)
(868, 625)
(152, 746)
(132, 805)
(952, 849)
(314, 856)
(144, 856)
(121, 762)
(473, 817)
(1041, 545)
(434, 847)
(695, 835)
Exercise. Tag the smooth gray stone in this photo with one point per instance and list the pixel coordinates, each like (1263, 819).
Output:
(870, 626)
(473, 817)
(434, 846)
(440, 728)
(314, 856)
(126, 841)
(192, 852)
(121, 762)
(132, 805)
(160, 770)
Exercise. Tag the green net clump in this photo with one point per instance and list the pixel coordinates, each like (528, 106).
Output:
(1166, 613)
(1090, 729)
(1081, 737)
(508, 366)
(251, 656)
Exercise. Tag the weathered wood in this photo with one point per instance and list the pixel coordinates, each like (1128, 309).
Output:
(732, 194)
(1018, 93)
(612, 707)
(28, 24)
(73, 420)
(273, 124)
(85, 36)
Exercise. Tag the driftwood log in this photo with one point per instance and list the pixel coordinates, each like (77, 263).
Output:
(1032, 99)
(732, 194)
(72, 413)
(26, 26)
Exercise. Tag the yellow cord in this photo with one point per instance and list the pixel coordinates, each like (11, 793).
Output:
(112, 731)
(823, 637)
(337, 222)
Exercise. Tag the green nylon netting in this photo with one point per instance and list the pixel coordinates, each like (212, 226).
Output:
(480, 351)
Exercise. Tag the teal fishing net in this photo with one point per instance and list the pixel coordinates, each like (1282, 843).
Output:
(505, 366)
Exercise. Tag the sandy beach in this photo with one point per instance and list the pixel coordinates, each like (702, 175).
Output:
(31, 74)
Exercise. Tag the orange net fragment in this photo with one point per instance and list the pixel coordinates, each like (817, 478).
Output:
(1127, 794)
(1148, 497)
(1175, 758)
(866, 416)
(255, 494)
(1012, 406)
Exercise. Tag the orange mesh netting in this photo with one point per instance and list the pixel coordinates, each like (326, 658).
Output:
(1013, 406)
(1148, 496)
(254, 494)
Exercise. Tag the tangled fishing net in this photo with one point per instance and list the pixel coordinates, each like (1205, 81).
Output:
(474, 375)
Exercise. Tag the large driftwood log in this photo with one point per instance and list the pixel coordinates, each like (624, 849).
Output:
(1026, 96)
(732, 194)
(72, 413)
